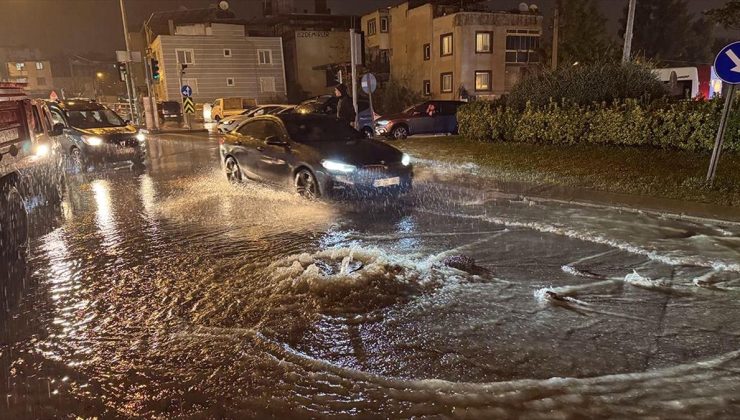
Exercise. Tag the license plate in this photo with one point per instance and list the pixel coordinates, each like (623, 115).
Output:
(387, 182)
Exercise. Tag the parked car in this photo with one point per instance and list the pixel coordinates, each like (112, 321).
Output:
(327, 104)
(431, 117)
(228, 124)
(30, 164)
(94, 134)
(227, 107)
(316, 155)
(169, 111)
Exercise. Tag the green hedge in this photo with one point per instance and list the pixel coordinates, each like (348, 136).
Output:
(681, 125)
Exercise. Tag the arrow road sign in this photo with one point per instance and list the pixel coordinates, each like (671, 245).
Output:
(186, 91)
(369, 83)
(727, 63)
(187, 105)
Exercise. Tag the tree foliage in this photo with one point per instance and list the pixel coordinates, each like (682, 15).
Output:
(587, 84)
(666, 32)
(727, 16)
(583, 35)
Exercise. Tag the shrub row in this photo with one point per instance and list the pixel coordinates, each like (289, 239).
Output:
(684, 125)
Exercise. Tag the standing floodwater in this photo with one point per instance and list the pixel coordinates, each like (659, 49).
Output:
(169, 292)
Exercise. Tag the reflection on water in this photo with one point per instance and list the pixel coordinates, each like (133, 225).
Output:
(173, 293)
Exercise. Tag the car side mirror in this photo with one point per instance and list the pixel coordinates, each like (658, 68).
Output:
(275, 141)
(57, 129)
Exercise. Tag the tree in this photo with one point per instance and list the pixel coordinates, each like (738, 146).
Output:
(728, 16)
(583, 36)
(666, 33)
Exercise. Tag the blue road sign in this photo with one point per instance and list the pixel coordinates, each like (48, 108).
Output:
(727, 63)
(186, 91)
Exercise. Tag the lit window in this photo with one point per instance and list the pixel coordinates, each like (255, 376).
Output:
(264, 56)
(230, 81)
(446, 82)
(384, 24)
(39, 65)
(482, 80)
(427, 51)
(427, 88)
(184, 56)
(267, 84)
(371, 27)
(227, 52)
(20, 66)
(445, 45)
(483, 42)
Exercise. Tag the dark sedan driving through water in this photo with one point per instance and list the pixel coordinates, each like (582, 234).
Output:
(316, 155)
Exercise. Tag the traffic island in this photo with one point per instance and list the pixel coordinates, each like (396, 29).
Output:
(642, 171)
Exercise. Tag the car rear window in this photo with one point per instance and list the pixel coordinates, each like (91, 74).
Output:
(320, 130)
(171, 106)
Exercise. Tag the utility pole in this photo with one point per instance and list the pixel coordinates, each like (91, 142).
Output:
(353, 60)
(131, 89)
(629, 31)
(555, 36)
(182, 100)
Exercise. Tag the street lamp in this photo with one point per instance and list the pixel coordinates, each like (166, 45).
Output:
(98, 79)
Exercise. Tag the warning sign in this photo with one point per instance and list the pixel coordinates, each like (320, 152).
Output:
(188, 105)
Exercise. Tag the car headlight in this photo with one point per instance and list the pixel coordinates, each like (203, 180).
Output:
(382, 123)
(334, 166)
(140, 136)
(405, 160)
(92, 140)
(42, 150)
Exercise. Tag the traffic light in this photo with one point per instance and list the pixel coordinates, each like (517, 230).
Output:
(155, 69)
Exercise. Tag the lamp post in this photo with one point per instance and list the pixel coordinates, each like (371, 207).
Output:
(98, 80)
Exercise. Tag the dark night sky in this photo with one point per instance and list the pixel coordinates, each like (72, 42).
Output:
(62, 26)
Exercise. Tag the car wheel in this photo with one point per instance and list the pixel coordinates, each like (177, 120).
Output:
(13, 220)
(306, 185)
(400, 132)
(233, 172)
(54, 191)
(217, 118)
(368, 132)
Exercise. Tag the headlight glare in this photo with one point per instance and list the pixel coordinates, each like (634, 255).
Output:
(42, 150)
(382, 123)
(405, 160)
(92, 140)
(140, 136)
(334, 166)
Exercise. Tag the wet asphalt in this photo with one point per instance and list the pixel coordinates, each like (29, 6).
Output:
(167, 292)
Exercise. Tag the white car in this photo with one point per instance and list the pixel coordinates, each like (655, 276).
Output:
(228, 124)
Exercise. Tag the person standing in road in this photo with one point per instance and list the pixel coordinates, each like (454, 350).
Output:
(345, 107)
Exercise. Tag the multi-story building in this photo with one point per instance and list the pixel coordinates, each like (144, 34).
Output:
(27, 66)
(222, 59)
(446, 50)
(317, 46)
(376, 27)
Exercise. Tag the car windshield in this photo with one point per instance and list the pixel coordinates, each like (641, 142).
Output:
(94, 118)
(320, 130)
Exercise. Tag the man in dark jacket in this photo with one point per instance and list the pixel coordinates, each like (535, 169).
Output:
(345, 107)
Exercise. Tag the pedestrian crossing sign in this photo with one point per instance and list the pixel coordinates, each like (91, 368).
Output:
(187, 105)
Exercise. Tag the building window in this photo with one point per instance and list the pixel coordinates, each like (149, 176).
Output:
(227, 52)
(427, 51)
(264, 56)
(267, 84)
(483, 80)
(230, 82)
(483, 42)
(371, 27)
(522, 46)
(41, 81)
(445, 45)
(185, 56)
(383, 24)
(39, 65)
(384, 56)
(427, 90)
(20, 66)
(446, 82)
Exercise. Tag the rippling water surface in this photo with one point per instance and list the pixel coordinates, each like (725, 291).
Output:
(170, 293)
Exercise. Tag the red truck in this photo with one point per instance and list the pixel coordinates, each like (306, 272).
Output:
(31, 166)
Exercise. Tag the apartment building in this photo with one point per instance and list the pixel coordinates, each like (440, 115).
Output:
(452, 51)
(222, 59)
(28, 66)
(376, 27)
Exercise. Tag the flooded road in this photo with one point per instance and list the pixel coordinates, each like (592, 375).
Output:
(167, 292)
